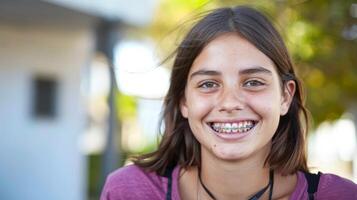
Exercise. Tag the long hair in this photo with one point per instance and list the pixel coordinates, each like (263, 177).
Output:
(178, 145)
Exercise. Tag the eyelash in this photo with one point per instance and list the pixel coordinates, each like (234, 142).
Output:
(256, 83)
(204, 85)
(250, 84)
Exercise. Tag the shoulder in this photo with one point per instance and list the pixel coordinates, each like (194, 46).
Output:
(133, 182)
(129, 174)
(332, 186)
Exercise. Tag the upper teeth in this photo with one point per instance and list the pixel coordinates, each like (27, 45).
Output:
(235, 127)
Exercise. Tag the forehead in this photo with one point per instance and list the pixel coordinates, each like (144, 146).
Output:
(230, 52)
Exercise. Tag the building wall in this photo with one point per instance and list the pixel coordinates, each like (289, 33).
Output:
(40, 158)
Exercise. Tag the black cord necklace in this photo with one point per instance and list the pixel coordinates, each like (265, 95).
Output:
(256, 196)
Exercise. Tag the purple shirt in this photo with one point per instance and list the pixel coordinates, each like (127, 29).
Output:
(132, 183)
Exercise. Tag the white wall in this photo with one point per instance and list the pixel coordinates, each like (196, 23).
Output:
(138, 12)
(39, 158)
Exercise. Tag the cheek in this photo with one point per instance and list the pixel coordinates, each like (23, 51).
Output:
(265, 104)
(199, 106)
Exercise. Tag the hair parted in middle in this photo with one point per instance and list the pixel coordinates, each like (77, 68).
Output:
(178, 144)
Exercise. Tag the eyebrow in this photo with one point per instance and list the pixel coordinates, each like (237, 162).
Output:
(205, 72)
(253, 70)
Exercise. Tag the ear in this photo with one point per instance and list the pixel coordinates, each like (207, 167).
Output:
(287, 96)
(183, 107)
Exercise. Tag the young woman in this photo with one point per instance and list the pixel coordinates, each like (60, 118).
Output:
(234, 122)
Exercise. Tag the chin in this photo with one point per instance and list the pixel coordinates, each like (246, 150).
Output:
(230, 154)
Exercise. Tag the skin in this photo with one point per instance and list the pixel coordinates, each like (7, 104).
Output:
(232, 81)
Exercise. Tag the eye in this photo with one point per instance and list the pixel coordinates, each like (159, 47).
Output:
(253, 83)
(208, 85)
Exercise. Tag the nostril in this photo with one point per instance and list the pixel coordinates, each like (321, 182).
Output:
(231, 108)
(232, 102)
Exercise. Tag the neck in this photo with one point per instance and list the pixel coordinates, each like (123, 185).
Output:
(237, 179)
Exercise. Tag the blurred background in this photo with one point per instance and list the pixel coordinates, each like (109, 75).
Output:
(82, 85)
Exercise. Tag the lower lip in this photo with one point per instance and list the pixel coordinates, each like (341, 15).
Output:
(234, 136)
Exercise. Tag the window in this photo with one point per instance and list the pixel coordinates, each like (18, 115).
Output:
(45, 94)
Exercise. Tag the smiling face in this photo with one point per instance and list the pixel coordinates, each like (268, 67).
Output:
(233, 99)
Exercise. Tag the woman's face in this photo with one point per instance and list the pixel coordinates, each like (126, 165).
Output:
(233, 99)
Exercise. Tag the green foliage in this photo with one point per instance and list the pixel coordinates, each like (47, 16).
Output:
(325, 59)
(94, 164)
(126, 106)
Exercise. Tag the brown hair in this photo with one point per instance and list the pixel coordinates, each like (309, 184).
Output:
(178, 145)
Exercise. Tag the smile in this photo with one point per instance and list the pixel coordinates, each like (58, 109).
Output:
(235, 127)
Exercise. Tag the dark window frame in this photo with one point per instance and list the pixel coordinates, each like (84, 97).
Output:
(45, 97)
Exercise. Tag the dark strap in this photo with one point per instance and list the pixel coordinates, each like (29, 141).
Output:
(271, 186)
(262, 191)
(256, 196)
(168, 175)
(312, 183)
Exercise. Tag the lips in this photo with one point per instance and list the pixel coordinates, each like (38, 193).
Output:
(232, 127)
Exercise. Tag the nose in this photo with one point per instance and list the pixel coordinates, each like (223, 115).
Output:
(231, 100)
